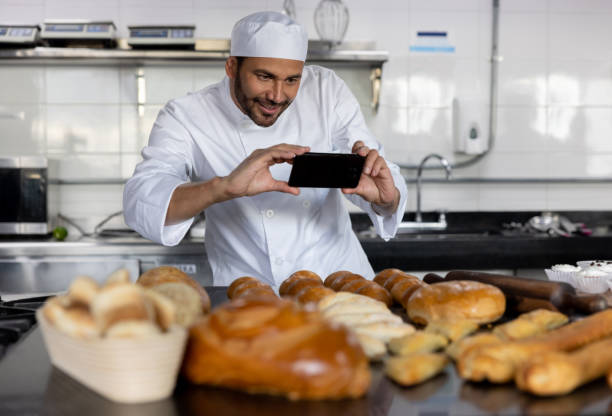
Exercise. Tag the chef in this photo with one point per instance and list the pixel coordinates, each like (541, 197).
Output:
(225, 150)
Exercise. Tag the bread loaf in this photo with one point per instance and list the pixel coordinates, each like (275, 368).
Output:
(456, 300)
(168, 274)
(299, 275)
(272, 346)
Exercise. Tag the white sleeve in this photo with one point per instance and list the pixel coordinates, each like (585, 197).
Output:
(348, 127)
(167, 164)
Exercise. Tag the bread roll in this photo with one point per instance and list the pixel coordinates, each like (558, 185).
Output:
(299, 275)
(187, 304)
(374, 349)
(354, 319)
(413, 369)
(236, 283)
(265, 290)
(272, 346)
(132, 329)
(456, 300)
(120, 302)
(75, 321)
(354, 285)
(329, 280)
(244, 286)
(382, 276)
(463, 345)
(531, 323)
(375, 291)
(384, 331)
(313, 294)
(453, 330)
(417, 342)
(402, 290)
(82, 290)
(295, 287)
(118, 276)
(165, 311)
(168, 274)
(344, 279)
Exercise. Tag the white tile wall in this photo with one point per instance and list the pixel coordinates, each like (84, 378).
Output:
(554, 96)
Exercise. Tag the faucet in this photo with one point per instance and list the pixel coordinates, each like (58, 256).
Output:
(418, 224)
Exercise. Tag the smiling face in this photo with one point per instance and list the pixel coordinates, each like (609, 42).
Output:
(263, 87)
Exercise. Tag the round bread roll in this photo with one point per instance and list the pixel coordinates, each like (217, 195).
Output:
(295, 287)
(165, 311)
(120, 302)
(375, 291)
(456, 300)
(75, 321)
(168, 274)
(393, 280)
(313, 294)
(301, 274)
(383, 275)
(329, 280)
(342, 280)
(401, 291)
(82, 290)
(132, 329)
(236, 283)
(244, 286)
(354, 285)
(265, 290)
(186, 301)
(118, 276)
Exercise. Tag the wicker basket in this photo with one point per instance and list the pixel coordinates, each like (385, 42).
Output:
(122, 370)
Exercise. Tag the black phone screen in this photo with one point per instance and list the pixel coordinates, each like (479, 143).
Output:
(326, 170)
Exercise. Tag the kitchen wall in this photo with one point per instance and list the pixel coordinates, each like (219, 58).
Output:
(554, 105)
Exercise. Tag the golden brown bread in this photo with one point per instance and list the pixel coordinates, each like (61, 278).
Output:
(329, 280)
(610, 378)
(402, 290)
(556, 373)
(75, 321)
(169, 274)
(531, 323)
(412, 369)
(417, 342)
(313, 294)
(294, 288)
(270, 345)
(344, 279)
(453, 330)
(258, 291)
(187, 304)
(82, 290)
(382, 276)
(120, 302)
(244, 286)
(354, 285)
(236, 283)
(456, 300)
(498, 363)
(463, 345)
(299, 275)
(375, 291)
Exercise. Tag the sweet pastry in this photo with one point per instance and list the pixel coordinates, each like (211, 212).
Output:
(456, 300)
(565, 268)
(237, 282)
(343, 280)
(168, 274)
(461, 346)
(294, 288)
(373, 348)
(453, 330)
(531, 323)
(375, 291)
(409, 370)
(383, 330)
(498, 363)
(401, 285)
(329, 280)
(273, 346)
(557, 373)
(417, 342)
(313, 294)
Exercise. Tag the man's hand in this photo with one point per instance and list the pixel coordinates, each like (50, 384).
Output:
(376, 183)
(253, 176)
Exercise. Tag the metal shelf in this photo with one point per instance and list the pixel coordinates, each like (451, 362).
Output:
(360, 54)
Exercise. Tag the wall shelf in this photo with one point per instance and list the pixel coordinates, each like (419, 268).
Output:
(361, 54)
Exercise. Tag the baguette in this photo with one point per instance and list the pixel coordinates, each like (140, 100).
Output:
(498, 363)
(557, 373)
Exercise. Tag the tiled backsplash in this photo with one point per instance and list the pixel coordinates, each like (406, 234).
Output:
(554, 95)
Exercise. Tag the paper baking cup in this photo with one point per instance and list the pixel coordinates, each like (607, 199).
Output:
(566, 277)
(122, 370)
(592, 284)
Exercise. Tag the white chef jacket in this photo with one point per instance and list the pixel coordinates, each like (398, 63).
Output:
(271, 235)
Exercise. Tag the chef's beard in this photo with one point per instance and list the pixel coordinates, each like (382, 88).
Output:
(248, 105)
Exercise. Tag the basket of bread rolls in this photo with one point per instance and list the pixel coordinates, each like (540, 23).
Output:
(123, 340)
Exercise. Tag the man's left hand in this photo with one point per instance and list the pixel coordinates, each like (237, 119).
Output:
(376, 183)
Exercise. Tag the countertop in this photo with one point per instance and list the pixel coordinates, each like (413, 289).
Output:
(30, 385)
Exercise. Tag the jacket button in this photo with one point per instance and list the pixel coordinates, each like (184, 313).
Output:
(306, 204)
(279, 261)
(270, 213)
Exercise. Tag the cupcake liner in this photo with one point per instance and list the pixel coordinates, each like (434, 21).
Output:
(566, 277)
(597, 284)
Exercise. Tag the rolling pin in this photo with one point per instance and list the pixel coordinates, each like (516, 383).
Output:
(560, 295)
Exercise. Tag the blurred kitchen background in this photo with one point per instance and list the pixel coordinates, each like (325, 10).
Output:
(553, 142)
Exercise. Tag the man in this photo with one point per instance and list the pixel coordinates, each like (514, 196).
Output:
(225, 149)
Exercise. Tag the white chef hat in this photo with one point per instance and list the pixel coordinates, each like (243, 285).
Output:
(269, 35)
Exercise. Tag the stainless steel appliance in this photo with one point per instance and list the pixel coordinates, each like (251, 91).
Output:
(23, 195)
(18, 35)
(79, 33)
(162, 36)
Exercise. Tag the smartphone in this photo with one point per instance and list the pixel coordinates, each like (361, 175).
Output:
(326, 170)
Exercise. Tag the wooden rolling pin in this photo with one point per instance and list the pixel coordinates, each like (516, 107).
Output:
(561, 295)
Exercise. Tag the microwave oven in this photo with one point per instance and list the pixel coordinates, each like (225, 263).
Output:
(23, 195)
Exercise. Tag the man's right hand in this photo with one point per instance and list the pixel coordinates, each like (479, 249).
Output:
(253, 176)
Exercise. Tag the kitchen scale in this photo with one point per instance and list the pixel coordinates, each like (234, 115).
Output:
(162, 37)
(18, 35)
(79, 33)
